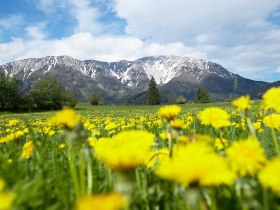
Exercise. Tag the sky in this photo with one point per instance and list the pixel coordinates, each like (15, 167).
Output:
(241, 35)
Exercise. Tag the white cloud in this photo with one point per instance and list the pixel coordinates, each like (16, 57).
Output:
(11, 21)
(173, 20)
(35, 32)
(86, 46)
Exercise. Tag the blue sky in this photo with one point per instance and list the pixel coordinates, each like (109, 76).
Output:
(243, 36)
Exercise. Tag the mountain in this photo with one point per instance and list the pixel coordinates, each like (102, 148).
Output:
(126, 80)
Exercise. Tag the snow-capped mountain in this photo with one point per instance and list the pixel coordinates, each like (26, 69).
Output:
(119, 79)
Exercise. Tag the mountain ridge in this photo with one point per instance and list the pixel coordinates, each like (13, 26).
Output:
(122, 79)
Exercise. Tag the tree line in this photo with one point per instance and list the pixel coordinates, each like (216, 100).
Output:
(46, 93)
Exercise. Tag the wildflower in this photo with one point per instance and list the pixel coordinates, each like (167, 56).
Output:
(13, 122)
(126, 150)
(178, 124)
(272, 121)
(242, 103)
(257, 125)
(66, 117)
(110, 201)
(169, 112)
(61, 146)
(27, 150)
(246, 157)
(91, 141)
(163, 135)
(269, 176)
(271, 99)
(196, 163)
(6, 198)
(215, 117)
(220, 143)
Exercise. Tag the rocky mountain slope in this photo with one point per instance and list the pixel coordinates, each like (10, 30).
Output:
(123, 80)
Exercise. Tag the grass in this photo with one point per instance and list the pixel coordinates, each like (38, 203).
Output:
(62, 166)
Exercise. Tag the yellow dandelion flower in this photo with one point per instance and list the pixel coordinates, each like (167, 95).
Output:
(246, 157)
(214, 116)
(66, 117)
(272, 121)
(196, 163)
(257, 125)
(91, 141)
(242, 103)
(169, 112)
(27, 150)
(61, 146)
(220, 143)
(13, 122)
(271, 99)
(126, 150)
(163, 135)
(110, 201)
(178, 124)
(269, 176)
(6, 198)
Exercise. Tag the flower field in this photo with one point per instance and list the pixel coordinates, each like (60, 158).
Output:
(209, 156)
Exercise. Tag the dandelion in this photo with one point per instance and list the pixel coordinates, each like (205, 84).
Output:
(169, 112)
(272, 121)
(242, 103)
(27, 150)
(66, 117)
(215, 117)
(246, 157)
(6, 198)
(269, 176)
(271, 99)
(157, 157)
(196, 163)
(61, 146)
(126, 150)
(110, 201)
(220, 143)
(13, 122)
(178, 124)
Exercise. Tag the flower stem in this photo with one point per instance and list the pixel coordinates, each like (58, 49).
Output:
(275, 140)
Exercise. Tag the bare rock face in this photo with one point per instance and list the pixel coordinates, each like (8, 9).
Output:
(122, 79)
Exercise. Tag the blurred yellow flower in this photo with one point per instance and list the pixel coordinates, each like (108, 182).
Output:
(214, 116)
(126, 150)
(269, 175)
(246, 157)
(6, 198)
(13, 122)
(169, 112)
(66, 117)
(220, 143)
(178, 124)
(61, 146)
(196, 163)
(272, 121)
(242, 103)
(27, 150)
(110, 201)
(271, 99)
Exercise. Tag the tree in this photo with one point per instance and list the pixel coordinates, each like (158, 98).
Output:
(153, 93)
(202, 95)
(181, 100)
(10, 92)
(48, 93)
(94, 99)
